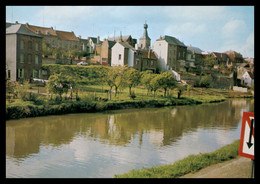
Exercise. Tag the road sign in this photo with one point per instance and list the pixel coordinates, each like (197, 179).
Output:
(246, 147)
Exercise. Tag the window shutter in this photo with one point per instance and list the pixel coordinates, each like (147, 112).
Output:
(22, 73)
(39, 74)
(33, 73)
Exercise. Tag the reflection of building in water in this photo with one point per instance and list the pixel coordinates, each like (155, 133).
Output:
(113, 131)
(240, 102)
(173, 112)
(156, 137)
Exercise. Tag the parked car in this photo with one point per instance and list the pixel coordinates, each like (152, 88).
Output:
(82, 63)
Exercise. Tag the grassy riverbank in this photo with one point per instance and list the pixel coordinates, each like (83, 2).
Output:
(94, 99)
(192, 163)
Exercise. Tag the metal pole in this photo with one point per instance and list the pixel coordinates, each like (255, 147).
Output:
(252, 168)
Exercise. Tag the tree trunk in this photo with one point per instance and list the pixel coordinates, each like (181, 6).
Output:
(130, 91)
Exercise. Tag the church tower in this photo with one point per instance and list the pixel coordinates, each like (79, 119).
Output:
(145, 41)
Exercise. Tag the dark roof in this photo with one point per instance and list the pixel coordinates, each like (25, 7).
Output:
(196, 50)
(111, 43)
(172, 40)
(20, 29)
(221, 56)
(251, 75)
(94, 40)
(126, 45)
(8, 24)
(124, 38)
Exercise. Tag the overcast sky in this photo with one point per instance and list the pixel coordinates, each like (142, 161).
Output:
(211, 28)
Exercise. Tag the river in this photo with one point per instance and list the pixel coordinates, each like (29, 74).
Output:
(100, 145)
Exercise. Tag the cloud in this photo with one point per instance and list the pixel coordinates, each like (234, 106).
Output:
(195, 12)
(64, 15)
(233, 28)
(246, 47)
(185, 30)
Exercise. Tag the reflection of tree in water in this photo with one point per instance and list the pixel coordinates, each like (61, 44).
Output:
(165, 125)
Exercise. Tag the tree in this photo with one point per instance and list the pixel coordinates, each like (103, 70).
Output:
(114, 78)
(205, 81)
(181, 87)
(131, 78)
(155, 83)
(146, 78)
(166, 81)
(46, 50)
(209, 61)
(60, 83)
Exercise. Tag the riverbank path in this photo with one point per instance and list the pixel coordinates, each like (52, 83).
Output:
(239, 167)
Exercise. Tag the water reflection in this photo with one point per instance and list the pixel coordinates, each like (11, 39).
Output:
(165, 126)
(98, 136)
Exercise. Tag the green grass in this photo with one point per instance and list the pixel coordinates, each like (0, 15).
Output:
(192, 163)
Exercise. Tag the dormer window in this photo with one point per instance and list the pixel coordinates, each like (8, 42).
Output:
(47, 32)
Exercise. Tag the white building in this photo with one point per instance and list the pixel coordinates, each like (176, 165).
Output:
(170, 52)
(247, 79)
(122, 54)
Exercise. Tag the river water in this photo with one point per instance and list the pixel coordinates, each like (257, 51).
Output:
(100, 145)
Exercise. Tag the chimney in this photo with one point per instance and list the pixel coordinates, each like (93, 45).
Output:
(98, 40)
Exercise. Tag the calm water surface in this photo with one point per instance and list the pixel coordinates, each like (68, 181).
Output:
(93, 145)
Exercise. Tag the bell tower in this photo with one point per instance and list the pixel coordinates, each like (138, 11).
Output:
(145, 41)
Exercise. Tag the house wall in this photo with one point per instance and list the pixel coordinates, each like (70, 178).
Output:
(105, 53)
(160, 49)
(11, 55)
(116, 50)
(30, 53)
(131, 57)
(246, 80)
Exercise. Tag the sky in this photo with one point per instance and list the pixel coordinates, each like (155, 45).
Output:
(210, 28)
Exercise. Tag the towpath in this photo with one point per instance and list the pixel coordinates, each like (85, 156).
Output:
(239, 167)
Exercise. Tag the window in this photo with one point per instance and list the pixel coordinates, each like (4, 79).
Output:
(53, 42)
(36, 74)
(8, 74)
(36, 60)
(137, 62)
(22, 44)
(151, 63)
(36, 46)
(20, 73)
(119, 57)
(21, 58)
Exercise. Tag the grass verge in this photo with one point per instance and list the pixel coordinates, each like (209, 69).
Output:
(190, 164)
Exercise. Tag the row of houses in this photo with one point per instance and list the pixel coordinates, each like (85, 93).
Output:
(24, 51)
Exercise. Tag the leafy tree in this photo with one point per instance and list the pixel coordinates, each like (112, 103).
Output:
(208, 61)
(181, 88)
(46, 50)
(131, 78)
(205, 81)
(114, 78)
(146, 78)
(60, 83)
(166, 81)
(155, 83)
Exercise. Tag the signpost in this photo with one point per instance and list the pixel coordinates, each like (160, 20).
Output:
(246, 147)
